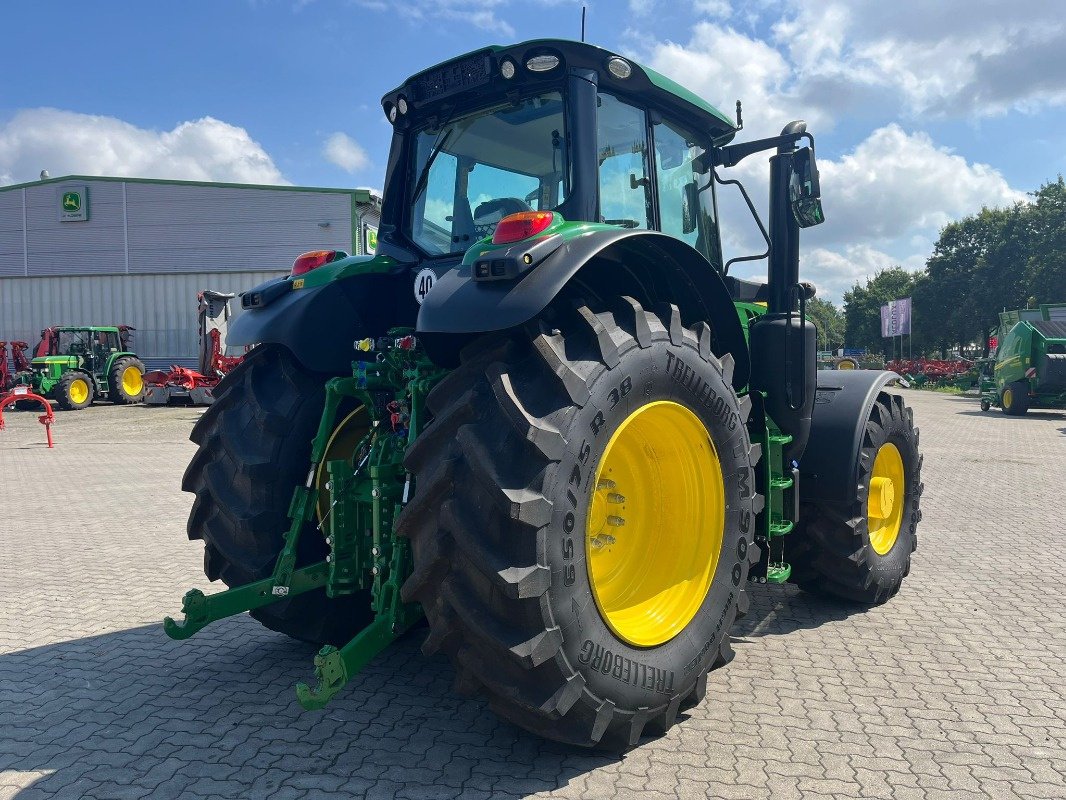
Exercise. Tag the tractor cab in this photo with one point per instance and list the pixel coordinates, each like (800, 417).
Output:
(88, 349)
(547, 126)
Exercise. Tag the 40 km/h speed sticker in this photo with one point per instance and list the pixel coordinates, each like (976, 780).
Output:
(424, 281)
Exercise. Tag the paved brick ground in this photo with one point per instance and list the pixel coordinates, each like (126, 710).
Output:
(955, 689)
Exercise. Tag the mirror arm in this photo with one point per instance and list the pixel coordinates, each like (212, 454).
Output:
(732, 154)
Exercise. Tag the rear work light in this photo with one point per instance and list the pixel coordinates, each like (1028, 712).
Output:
(516, 227)
(312, 260)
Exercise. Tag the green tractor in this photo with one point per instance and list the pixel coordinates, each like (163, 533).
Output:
(564, 434)
(75, 365)
(1030, 364)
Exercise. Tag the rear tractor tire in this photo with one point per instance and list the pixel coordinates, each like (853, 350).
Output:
(74, 391)
(861, 550)
(583, 523)
(254, 448)
(125, 381)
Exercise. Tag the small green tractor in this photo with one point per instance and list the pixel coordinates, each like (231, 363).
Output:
(75, 365)
(1030, 363)
(543, 415)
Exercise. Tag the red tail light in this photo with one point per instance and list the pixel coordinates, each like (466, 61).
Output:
(515, 227)
(312, 260)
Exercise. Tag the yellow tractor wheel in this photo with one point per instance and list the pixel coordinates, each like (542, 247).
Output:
(860, 548)
(125, 381)
(584, 521)
(74, 390)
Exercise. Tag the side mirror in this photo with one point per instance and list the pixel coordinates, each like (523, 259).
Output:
(690, 206)
(804, 191)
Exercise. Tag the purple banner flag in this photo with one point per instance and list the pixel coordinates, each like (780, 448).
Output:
(903, 316)
(896, 318)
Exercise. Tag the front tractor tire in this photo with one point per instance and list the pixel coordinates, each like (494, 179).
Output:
(860, 550)
(74, 391)
(125, 381)
(583, 523)
(254, 449)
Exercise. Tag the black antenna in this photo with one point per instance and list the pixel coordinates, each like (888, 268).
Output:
(582, 23)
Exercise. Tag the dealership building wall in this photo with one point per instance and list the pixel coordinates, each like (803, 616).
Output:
(102, 251)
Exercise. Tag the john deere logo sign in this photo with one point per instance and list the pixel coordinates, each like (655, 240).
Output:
(73, 204)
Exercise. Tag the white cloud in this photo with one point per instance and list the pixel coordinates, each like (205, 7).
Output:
(69, 143)
(724, 65)
(834, 272)
(712, 8)
(479, 13)
(953, 57)
(895, 183)
(343, 151)
(885, 203)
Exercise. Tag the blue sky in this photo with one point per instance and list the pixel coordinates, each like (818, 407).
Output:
(923, 111)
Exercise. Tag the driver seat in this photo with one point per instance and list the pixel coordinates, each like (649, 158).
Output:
(488, 215)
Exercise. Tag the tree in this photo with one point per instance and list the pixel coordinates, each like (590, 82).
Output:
(830, 323)
(1045, 270)
(1000, 258)
(862, 308)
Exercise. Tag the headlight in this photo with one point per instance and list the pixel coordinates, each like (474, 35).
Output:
(542, 63)
(620, 68)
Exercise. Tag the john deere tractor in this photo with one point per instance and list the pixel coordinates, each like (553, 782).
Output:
(544, 415)
(74, 365)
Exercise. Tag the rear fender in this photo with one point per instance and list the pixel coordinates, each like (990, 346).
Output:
(320, 323)
(111, 359)
(651, 267)
(829, 467)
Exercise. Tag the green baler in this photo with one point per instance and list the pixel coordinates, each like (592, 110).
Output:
(1030, 369)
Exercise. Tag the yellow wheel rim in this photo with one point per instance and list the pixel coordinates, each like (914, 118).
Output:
(341, 445)
(656, 524)
(846, 365)
(132, 381)
(884, 507)
(79, 390)
(1008, 398)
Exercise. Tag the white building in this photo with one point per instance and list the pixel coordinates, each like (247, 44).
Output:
(132, 251)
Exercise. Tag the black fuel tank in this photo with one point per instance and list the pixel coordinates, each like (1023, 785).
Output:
(783, 364)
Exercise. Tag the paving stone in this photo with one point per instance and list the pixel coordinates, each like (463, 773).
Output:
(954, 688)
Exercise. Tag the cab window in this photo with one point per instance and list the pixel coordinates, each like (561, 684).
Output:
(686, 205)
(621, 141)
(474, 170)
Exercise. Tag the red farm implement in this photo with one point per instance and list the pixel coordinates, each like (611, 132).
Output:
(183, 385)
(939, 372)
(22, 395)
(179, 385)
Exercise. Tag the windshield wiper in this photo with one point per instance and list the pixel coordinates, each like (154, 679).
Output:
(423, 176)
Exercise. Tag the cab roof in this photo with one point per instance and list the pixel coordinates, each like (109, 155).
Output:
(644, 81)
